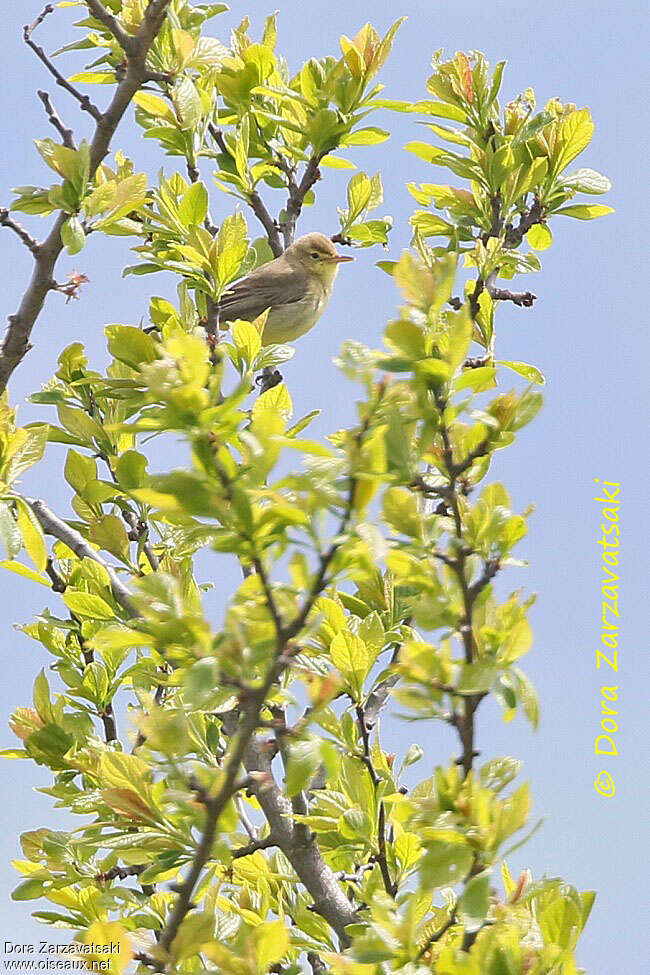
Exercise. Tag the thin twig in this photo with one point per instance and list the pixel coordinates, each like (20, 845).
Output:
(54, 526)
(524, 299)
(84, 100)
(30, 243)
(270, 225)
(253, 847)
(67, 136)
(389, 886)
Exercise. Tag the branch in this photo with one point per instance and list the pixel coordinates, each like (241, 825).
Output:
(437, 936)
(253, 847)
(316, 963)
(270, 225)
(66, 134)
(297, 193)
(84, 100)
(54, 526)
(255, 201)
(377, 698)
(528, 219)
(214, 806)
(301, 848)
(16, 343)
(389, 886)
(319, 582)
(217, 135)
(524, 299)
(121, 873)
(465, 722)
(126, 41)
(480, 450)
(30, 243)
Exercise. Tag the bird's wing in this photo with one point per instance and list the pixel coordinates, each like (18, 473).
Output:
(252, 295)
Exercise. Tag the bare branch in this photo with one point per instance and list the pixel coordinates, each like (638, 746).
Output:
(301, 850)
(253, 847)
(316, 964)
(54, 526)
(30, 243)
(379, 696)
(126, 41)
(66, 134)
(217, 135)
(84, 100)
(389, 886)
(524, 299)
(297, 194)
(121, 873)
(270, 225)
(515, 235)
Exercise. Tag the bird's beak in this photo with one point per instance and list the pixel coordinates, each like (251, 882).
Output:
(341, 259)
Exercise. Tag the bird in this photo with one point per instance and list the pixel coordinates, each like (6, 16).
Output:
(295, 288)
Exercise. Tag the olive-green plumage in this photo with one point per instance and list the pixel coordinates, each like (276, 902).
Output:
(296, 287)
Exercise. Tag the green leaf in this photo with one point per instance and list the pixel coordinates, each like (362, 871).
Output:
(247, 339)
(359, 195)
(23, 570)
(477, 677)
(131, 469)
(587, 181)
(585, 211)
(73, 235)
(26, 449)
(130, 345)
(79, 471)
(88, 605)
(475, 902)
(304, 760)
(9, 533)
(366, 137)
(32, 534)
(540, 237)
(336, 162)
(574, 135)
(446, 861)
(79, 424)
(41, 695)
(94, 77)
(28, 890)
(270, 942)
(194, 205)
(155, 105)
(350, 654)
(109, 534)
(423, 150)
(531, 373)
(560, 922)
(188, 104)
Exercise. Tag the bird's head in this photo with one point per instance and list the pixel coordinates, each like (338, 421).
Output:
(317, 255)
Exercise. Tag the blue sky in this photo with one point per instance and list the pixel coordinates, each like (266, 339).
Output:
(585, 333)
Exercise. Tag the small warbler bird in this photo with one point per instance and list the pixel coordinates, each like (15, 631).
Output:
(295, 287)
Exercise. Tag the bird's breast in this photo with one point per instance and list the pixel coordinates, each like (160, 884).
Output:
(286, 323)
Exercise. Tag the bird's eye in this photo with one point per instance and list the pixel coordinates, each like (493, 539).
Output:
(314, 255)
